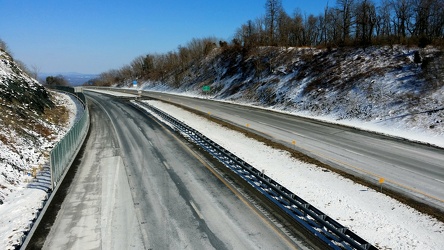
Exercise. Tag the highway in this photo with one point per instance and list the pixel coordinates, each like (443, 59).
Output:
(140, 187)
(414, 169)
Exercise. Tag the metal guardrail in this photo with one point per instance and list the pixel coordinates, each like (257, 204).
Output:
(321, 225)
(77, 91)
(66, 149)
(61, 158)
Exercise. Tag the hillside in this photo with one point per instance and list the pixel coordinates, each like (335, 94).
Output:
(31, 122)
(392, 85)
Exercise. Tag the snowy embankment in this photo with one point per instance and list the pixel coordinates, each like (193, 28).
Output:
(379, 88)
(390, 127)
(23, 193)
(385, 222)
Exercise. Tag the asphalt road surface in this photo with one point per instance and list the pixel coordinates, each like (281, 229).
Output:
(139, 187)
(414, 169)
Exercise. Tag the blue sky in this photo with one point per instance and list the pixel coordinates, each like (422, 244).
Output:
(95, 36)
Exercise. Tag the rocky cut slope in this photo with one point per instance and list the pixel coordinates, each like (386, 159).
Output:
(27, 129)
(16, 87)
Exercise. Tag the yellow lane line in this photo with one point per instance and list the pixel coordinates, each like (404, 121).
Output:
(237, 193)
(374, 175)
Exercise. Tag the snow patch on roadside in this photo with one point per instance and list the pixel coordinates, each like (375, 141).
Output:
(385, 222)
(23, 194)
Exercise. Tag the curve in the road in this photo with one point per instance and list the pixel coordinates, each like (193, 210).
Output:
(136, 180)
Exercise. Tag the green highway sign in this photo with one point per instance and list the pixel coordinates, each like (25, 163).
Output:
(206, 88)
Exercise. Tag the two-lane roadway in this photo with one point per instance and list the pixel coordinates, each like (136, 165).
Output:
(140, 187)
(414, 169)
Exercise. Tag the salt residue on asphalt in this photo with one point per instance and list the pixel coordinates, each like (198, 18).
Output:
(381, 220)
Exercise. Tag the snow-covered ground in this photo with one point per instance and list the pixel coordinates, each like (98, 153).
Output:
(29, 128)
(25, 196)
(385, 222)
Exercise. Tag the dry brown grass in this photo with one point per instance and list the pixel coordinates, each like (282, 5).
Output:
(3, 139)
(58, 115)
(42, 130)
(19, 119)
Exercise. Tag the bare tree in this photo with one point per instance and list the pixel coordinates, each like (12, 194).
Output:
(201, 47)
(297, 31)
(428, 19)
(246, 34)
(252, 33)
(58, 80)
(403, 14)
(260, 25)
(345, 8)
(383, 22)
(312, 31)
(3, 45)
(284, 27)
(35, 70)
(137, 67)
(273, 9)
(436, 21)
(365, 21)
(331, 27)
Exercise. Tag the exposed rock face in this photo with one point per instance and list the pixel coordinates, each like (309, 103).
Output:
(17, 88)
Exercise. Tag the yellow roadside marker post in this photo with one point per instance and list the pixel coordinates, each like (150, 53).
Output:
(381, 181)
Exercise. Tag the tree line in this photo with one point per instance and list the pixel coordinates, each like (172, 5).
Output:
(158, 67)
(347, 23)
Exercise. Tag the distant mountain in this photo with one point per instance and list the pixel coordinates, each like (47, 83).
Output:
(73, 78)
